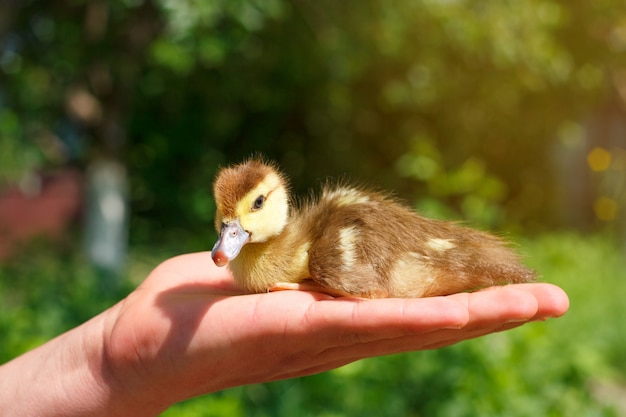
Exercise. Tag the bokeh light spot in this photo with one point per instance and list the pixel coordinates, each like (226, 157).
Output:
(599, 159)
(605, 208)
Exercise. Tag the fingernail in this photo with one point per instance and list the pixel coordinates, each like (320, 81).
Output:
(518, 320)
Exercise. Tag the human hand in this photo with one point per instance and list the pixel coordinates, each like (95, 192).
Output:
(187, 330)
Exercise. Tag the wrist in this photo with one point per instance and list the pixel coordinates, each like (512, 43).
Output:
(67, 376)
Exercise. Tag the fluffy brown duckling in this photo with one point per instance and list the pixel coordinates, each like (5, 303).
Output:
(347, 242)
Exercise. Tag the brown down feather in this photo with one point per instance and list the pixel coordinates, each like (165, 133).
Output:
(351, 241)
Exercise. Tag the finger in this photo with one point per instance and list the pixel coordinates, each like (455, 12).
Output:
(331, 321)
(295, 329)
(552, 301)
(192, 268)
(497, 309)
(498, 305)
(447, 338)
(346, 321)
(339, 356)
(427, 341)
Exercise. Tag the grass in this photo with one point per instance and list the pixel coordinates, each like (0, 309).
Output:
(575, 365)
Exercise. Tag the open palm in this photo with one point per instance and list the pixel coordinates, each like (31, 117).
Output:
(187, 330)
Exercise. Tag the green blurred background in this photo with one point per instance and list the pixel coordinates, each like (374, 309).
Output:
(511, 116)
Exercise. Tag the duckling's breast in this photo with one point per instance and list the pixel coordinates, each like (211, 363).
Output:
(284, 258)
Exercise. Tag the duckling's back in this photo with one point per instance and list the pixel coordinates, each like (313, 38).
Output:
(366, 244)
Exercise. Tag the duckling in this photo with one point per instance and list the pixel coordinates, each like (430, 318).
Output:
(347, 242)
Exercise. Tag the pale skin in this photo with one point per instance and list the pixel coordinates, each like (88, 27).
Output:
(187, 330)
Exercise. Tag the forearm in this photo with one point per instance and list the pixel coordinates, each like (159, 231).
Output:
(65, 377)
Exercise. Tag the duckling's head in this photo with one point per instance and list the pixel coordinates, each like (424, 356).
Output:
(252, 205)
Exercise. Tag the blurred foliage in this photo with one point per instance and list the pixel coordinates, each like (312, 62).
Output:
(544, 369)
(467, 109)
(45, 291)
(457, 102)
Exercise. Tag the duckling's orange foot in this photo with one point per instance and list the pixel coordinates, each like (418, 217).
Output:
(306, 286)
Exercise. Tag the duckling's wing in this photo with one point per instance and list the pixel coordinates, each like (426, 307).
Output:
(370, 246)
(357, 238)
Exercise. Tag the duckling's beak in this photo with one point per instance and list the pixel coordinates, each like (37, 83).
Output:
(231, 240)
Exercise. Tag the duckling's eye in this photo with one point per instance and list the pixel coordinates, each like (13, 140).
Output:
(258, 203)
